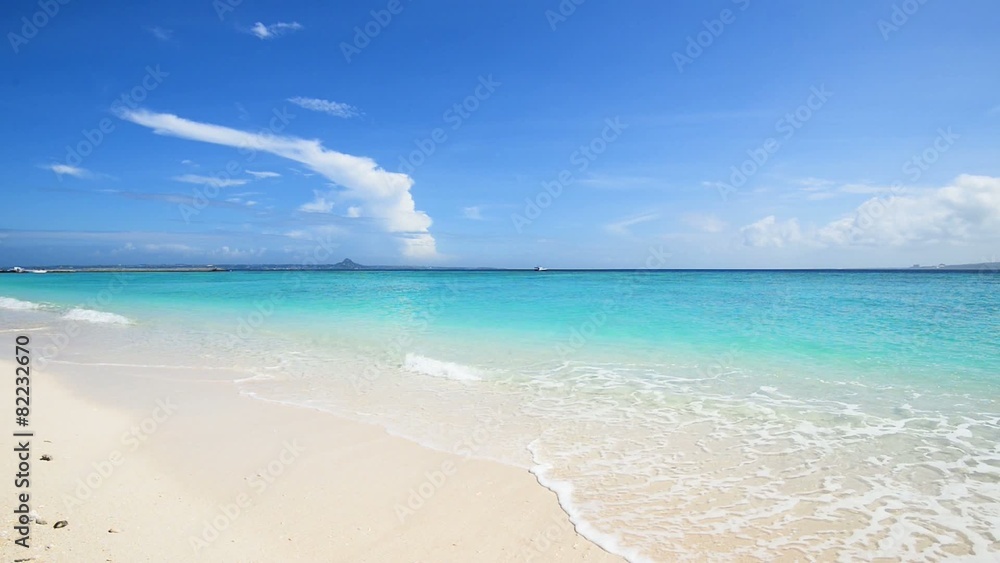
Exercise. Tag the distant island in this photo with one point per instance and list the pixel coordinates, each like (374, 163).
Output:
(982, 266)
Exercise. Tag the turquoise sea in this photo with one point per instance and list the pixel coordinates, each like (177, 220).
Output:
(813, 415)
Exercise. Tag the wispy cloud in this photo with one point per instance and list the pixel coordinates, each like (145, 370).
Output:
(814, 184)
(170, 247)
(336, 109)
(238, 253)
(234, 201)
(241, 201)
(385, 196)
(621, 228)
(67, 170)
(816, 189)
(274, 30)
(210, 181)
(474, 212)
(301, 173)
(262, 175)
(161, 33)
(707, 223)
(611, 182)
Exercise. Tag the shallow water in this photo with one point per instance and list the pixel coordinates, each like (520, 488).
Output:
(677, 415)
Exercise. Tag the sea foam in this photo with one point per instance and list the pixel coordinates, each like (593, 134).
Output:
(91, 316)
(17, 305)
(436, 368)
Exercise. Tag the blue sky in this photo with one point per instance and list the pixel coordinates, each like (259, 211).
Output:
(521, 133)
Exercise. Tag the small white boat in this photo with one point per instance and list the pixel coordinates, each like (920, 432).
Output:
(540, 269)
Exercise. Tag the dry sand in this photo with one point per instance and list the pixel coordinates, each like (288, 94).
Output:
(162, 470)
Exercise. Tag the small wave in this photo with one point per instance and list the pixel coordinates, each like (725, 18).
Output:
(17, 305)
(436, 368)
(564, 490)
(92, 316)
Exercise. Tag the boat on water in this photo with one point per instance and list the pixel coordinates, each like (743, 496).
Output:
(540, 269)
(19, 270)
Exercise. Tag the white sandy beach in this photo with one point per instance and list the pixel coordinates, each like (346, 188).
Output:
(151, 469)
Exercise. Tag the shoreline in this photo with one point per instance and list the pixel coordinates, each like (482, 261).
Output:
(196, 471)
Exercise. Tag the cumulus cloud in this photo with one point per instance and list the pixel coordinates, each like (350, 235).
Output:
(209, 181)
(274, 30)
(385, 196)
(967, 210)
(321, 203)
(336, 109)
(771, 232)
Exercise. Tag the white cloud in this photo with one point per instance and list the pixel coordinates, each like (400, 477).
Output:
(862, 189)
(301, 173)
(188, 162)
(170, 247)
(610, 182)
(704, 222)
(241, 201)
(966, 210)
(209, 181)
(321, 203)
(385, 195)
(621, 227)
(474, 212)
(274, 30)
(67, 170)
(815, 184)
(336, 109)
(161, 33)
(315, 232)
(128, 247)
(228, 252)
(770, 232)
(354, 212)
(262, 175)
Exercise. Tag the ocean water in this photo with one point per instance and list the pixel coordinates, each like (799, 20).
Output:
(677, 415)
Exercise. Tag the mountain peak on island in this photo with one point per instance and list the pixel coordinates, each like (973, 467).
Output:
(348, 264)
